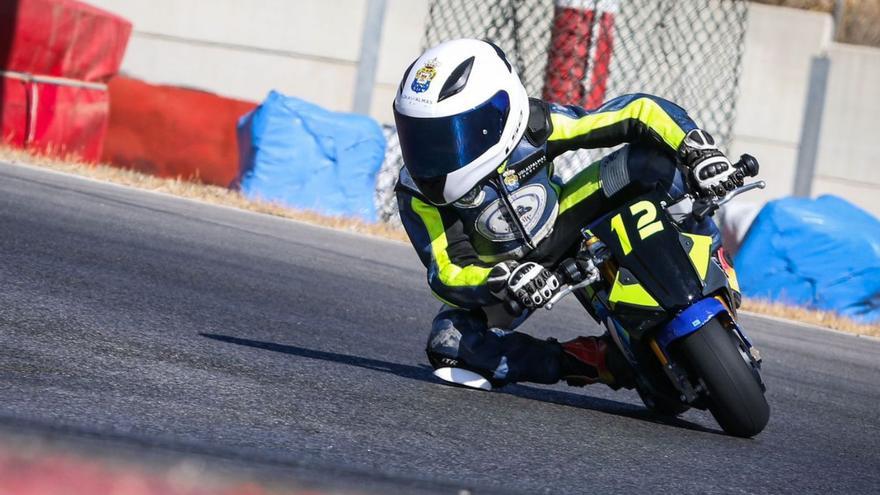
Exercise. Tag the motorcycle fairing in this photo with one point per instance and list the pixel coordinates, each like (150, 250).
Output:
(633, 306)
(713, 276)
(621, 338)
(689, 321)
(626, 289)
(699, 251)
(649, 247)
(731, 276)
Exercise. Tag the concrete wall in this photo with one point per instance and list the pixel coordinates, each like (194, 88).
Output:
(310, 49)
(779, 45)
(402, 36)
(305, 48)
(849, 146)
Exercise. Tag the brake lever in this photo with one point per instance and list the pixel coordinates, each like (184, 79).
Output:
(568, 290)
(703, 208)
(742, 189)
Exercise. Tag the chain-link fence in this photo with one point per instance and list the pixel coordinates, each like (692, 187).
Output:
(386, 204)
(586, 51)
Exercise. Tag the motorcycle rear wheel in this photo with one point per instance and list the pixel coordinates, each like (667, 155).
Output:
(736, 399)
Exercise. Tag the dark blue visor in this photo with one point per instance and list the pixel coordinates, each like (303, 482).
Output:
(433, 147)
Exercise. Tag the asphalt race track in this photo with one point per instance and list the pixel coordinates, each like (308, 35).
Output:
(160, 328)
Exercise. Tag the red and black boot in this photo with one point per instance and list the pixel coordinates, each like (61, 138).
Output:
(588, 360)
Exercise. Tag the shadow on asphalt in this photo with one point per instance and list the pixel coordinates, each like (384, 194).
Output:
(599, 404)
(402, 370)
(423, 373)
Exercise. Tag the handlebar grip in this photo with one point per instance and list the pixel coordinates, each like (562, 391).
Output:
(748, 165)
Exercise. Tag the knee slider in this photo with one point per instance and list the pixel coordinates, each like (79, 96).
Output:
(443, 343)
(443, 354)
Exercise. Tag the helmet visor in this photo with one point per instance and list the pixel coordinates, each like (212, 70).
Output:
(433, 147)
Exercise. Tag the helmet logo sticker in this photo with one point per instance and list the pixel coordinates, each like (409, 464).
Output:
(495, 224)
(424, 76)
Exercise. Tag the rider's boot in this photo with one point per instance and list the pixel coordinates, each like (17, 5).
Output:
(588, 360)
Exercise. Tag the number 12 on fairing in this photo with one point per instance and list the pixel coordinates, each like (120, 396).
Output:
(647, 224)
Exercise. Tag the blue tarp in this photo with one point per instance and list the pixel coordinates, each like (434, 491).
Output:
(302, 155)
(822, 254)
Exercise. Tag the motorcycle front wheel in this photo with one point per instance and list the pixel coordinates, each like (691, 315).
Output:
(659, 404)
(735, 396)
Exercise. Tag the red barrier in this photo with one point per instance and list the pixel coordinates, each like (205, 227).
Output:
(55, 56)
(61, 38)
(581, 41)
(13, 111)
(173, 132)
(53, 116)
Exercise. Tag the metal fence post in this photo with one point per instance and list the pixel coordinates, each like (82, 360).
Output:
(366, 70)
(814, 107)
(837, 14)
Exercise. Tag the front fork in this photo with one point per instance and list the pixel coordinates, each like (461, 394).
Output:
(689, 321)
(692, 320)
(676, 375)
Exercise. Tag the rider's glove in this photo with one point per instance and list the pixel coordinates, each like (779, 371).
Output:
(711, 173)
(529, 284)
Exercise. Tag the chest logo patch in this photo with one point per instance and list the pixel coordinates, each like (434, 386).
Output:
(495, 222)
(511, 179)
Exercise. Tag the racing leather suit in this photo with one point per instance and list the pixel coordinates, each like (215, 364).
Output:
(526, 213)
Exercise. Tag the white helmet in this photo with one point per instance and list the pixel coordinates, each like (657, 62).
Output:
(460, 111)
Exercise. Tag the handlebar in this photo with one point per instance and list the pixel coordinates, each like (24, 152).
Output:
(747, 166)
(573, 274)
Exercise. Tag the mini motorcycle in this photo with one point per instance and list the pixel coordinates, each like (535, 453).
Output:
(669, 303)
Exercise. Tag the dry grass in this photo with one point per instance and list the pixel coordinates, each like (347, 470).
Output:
(825, 319)
(222, 196)
(859, 22)
(193, 190)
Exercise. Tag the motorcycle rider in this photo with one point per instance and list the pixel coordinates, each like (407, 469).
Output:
(490, 220)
